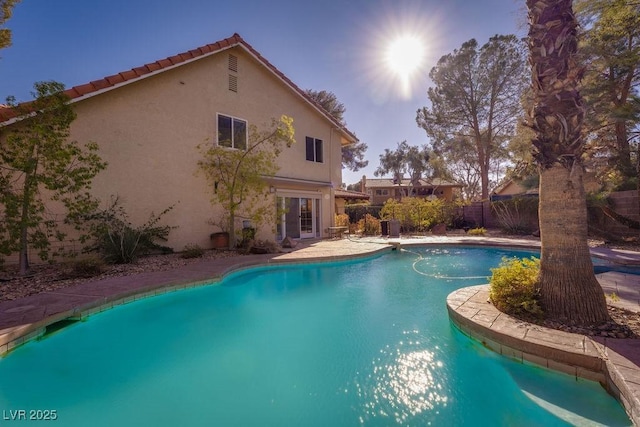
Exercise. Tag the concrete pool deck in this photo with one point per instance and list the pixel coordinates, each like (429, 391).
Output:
(615, 363)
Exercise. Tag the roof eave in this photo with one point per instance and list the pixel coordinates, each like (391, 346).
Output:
(76, 93)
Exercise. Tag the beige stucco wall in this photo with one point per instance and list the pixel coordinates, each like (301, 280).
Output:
(148, 132)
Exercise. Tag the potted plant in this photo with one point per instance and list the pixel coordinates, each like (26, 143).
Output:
(220, 239)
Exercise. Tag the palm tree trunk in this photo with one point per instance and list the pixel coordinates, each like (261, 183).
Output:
(569, 290)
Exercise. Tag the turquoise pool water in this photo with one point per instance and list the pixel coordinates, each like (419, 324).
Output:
(344, 344)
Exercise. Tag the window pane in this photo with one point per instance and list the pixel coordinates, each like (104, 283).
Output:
(310, 149)
(224, 131)
(239, 134)
(319, 151)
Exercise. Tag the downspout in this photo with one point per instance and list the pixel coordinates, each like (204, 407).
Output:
(332, 194)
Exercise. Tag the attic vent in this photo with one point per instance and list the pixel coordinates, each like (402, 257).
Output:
(233, 83)
(233, 63)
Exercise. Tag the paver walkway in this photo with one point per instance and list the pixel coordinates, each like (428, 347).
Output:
(618, 360)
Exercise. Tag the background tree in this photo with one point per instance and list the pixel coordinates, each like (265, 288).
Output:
(405, 160)
(357, 186)
(38, 163)
(6, 7)
(417, 164)
(462, 166)
(392, 162)
(353, 154)
(238, 178)
(476, 100)
(569, 291)
(610, 46)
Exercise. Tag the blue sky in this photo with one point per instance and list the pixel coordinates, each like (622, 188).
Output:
(334, 45)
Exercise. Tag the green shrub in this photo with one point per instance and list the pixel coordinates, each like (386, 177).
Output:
(89, 266)
(518, 215)
(480, 231)
(370, 226)
(513, 286)
(418, 214)
(120, 242)
(192, 251)
(358, 211)
(342, 220)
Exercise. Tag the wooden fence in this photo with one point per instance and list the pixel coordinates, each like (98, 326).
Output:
(625, 203)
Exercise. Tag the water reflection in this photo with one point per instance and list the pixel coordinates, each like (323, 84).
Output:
(404, 382)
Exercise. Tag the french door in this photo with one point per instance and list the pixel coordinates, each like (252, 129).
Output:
(300, 219)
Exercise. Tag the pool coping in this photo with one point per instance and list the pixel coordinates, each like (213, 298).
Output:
(607, 362)
(611, 362)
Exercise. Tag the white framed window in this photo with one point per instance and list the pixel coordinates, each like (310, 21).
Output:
(314, 150)
(383, 192)
(232, 132)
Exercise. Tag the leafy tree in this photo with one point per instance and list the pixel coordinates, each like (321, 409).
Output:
(569, 291)
(353, 154)
(41, 171)
(393, 163)
(238, 178)
(405, 160)
(611, 49)
(357, 186)
(519, 149)
(5, 14)
(462, 166)
(417, 164)
(476, 101)
(418, 214)
(329, 102)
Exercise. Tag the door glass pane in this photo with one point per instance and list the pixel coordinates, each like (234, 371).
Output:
(306, 216)
(292, 217)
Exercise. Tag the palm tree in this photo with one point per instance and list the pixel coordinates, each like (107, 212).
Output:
(569, 291)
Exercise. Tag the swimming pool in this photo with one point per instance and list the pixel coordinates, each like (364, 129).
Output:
(353, 343)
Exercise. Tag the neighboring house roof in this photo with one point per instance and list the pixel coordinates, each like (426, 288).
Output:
(509, 185)
(387, 182)
(351, 195)
(96, 87)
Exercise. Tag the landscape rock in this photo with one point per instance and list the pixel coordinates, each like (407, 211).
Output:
(289, 243)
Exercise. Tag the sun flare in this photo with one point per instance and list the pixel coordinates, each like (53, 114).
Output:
(405, 55)
(397, 48)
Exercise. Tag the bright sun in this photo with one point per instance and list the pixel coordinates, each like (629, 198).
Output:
(405, 55)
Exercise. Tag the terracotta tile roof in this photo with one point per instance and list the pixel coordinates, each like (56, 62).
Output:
(5, 113)
(127, 76)
(95, 87)
(386, 182)
(348, 194)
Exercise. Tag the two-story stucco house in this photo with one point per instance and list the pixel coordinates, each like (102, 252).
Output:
(148, 122)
